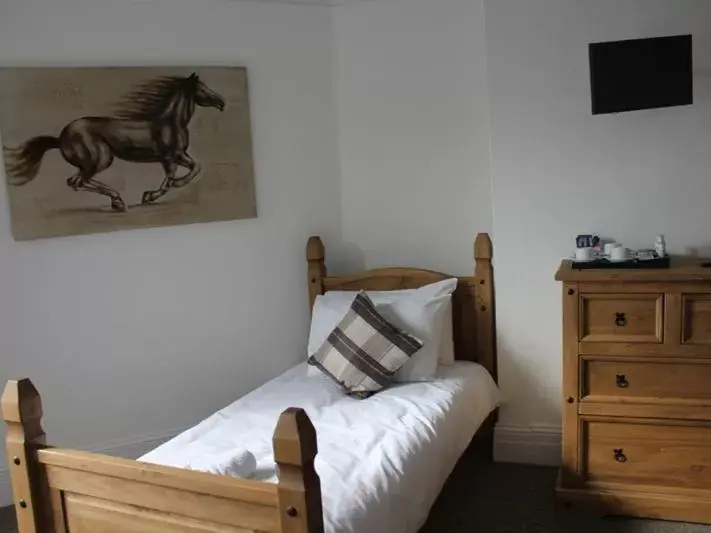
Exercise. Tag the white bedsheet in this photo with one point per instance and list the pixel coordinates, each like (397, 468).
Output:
(382, 461)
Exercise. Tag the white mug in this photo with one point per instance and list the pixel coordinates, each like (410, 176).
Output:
(620, 253)
(584, 254)
(609, 246)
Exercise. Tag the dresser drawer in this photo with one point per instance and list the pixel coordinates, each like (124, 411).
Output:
(696, 319)
(641, 453)
(603, 379)
(621, 318)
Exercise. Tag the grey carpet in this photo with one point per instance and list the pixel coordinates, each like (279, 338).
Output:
(500, 498)
(7, 520)
(506, 498)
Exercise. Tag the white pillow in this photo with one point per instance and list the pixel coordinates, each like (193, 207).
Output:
(424, 320)
(422, 312)
(446, 346)
(331, 307)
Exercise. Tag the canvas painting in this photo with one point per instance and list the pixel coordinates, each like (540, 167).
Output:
(91, 150)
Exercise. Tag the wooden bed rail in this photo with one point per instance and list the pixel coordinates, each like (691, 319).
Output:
(69, 491)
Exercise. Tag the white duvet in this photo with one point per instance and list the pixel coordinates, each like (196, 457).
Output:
(382, 461)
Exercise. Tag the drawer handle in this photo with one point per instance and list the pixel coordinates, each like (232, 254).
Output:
(620, 320)
(621, 381)
(620, 456)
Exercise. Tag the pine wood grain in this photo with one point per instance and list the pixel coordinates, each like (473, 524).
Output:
(624, 500)
(484, 309)
(648, 453)
(170, 501)
(631, 349)
(295, 449)
(696, 319)
(571, 427)
(673, 303)
(621, 317)
(669, 411)
(315, 257)
(91, 515)
(640, 364)
(652, 382)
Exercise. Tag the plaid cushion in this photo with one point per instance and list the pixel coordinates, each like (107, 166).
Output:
(364, 351)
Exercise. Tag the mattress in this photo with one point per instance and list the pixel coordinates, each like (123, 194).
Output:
(382, 461)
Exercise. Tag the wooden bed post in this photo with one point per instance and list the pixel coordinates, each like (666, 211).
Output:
(486, 312)
(486, 329)
(300, 507)
(22, 413)
(315, 255)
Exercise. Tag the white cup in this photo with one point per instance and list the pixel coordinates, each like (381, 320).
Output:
(620, 253)
(609, 246)
(584, 254)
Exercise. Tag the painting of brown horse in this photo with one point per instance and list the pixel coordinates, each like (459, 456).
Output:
(175, 122)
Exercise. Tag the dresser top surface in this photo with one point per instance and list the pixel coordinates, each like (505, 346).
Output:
(682, 269)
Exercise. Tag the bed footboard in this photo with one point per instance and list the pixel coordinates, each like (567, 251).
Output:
(67, 491)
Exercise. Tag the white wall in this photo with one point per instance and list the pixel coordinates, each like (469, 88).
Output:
(424, 86)
(558, 170)
(133, 335)
(414, 129)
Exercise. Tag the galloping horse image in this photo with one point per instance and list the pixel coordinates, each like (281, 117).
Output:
(150, 125)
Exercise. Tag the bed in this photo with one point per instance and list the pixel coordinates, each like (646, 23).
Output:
(59, 490)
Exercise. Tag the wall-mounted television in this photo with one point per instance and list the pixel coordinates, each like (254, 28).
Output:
(641, 74)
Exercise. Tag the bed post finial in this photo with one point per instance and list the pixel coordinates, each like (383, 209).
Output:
(485, 307)
(315, 255)
(295, 448)
(22, 413)
(22, 404)
(483, 249)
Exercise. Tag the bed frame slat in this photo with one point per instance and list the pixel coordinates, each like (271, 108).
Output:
(159, 476)
(168, 502)
(91, 515)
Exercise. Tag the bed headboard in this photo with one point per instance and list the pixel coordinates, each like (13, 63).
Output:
(473, 303)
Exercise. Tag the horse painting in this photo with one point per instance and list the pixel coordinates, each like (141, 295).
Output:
(149, 125)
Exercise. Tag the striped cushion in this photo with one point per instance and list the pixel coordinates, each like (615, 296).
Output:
(364, 351)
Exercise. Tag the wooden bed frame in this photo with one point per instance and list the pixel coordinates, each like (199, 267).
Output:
(58, 490)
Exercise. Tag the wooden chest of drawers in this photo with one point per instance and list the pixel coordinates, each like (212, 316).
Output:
(637, 391)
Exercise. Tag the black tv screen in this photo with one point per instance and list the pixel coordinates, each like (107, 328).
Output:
(641, 74)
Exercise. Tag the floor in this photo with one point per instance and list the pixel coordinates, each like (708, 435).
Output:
(502, 498)
(7, 520)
